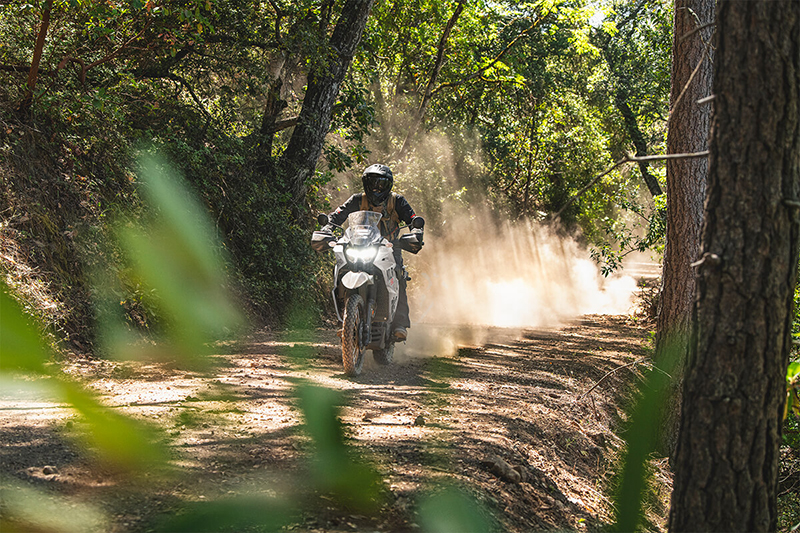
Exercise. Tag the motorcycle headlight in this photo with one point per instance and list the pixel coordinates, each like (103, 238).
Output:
(364, 254)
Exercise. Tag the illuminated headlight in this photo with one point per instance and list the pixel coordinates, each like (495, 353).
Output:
(365, 254)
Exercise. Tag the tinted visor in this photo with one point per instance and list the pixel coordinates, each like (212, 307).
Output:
(376, 183)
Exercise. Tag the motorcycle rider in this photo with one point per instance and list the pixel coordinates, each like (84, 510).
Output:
(378, 196)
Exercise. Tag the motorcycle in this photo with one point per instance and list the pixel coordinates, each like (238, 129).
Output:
(366, 284)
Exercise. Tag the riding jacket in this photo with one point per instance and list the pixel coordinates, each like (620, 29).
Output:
(395, 209)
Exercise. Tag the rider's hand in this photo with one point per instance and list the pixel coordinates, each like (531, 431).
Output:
(419, 233)
(327, 229)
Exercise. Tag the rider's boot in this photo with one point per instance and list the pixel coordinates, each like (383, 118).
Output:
(400, 334)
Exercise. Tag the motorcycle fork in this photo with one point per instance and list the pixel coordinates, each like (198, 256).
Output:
(366, 325)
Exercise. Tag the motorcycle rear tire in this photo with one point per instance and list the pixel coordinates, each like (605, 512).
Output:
(352, 352)
(384, 356)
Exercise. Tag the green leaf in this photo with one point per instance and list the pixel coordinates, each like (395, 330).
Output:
(792, 372)
(641, 439)
(452, 511)
(336, 471)
(22, 348)
(40, 511)
(120, 442)
(250, 513)
(177, 260)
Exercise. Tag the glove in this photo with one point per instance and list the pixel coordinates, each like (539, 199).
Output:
(419, 233)
(327, 229)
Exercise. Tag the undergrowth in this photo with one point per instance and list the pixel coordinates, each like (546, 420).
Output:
(66, 178)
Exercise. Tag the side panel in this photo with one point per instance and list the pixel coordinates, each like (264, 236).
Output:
(388, 285)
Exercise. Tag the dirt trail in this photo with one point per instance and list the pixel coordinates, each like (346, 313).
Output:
(508, 420)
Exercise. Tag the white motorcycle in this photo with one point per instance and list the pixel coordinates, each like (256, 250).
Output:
(366, 287)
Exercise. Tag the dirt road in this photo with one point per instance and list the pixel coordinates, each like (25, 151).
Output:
(511, 421)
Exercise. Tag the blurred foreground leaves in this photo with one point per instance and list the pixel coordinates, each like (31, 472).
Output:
(177, 267)
(173, 263)
(336, 470)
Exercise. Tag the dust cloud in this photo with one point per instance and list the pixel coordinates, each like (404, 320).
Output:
(481, 278)
(478, 279)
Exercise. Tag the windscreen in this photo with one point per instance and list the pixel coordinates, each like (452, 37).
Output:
(362, 227)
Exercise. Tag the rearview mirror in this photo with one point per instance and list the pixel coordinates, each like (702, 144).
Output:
(417, 222)
(322, 218)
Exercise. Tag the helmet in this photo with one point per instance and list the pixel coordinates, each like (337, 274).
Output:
(378, 181)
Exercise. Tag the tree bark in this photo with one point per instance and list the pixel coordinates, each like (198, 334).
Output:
(305, 146)
(686, 182)
(726, 467)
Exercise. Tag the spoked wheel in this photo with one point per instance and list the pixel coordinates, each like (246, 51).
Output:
(352, 353)
(385, 356)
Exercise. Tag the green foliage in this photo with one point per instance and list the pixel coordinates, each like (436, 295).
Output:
(640, 442)
(792, 390)
(623, 237)
(170, 252)
(450, 510)
(796, 318)
(22, 349)
(336, 470)
(27, 509)
(249, 512)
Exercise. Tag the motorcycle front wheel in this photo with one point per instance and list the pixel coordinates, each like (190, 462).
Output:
(352, 352)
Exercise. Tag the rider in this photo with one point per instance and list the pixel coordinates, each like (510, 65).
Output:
(378, 196)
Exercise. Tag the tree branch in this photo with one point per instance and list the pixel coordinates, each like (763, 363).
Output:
(697, 29)
(108, 57)
(437, 67)
(20, 68)
(632, 363)
(185, 85)
(33, 73)
(493, 62)
(627, 159)
(281, 125)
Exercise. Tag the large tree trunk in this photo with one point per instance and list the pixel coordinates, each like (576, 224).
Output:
(686, 182)
(305, 146)
(726, 465)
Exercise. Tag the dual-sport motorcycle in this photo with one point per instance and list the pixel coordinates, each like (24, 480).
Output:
(366, 285)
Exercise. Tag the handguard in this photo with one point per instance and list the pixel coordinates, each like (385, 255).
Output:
(411, 242)
(322, 241)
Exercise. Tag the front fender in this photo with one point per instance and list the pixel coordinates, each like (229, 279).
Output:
(354, 280)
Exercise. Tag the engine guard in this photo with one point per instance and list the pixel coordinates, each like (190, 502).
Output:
(354, 280)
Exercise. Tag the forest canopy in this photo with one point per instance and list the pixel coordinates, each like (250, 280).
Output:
(517, 106)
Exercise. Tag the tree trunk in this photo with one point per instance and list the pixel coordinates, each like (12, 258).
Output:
(305, 146)
(33, 73)
(437, 68)
(269, 123)
(637, 138)
(686, 182)
(726, 467)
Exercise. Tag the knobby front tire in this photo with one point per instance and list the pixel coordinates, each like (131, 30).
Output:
(352, 353)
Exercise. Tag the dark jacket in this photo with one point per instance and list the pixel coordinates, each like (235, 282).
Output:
(401, 207)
